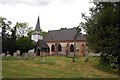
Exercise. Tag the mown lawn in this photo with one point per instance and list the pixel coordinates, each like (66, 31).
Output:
(53, 67)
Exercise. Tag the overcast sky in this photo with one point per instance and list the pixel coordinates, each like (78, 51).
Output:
(54, 14)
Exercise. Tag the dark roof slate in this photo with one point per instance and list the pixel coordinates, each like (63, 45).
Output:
(42, 44)
(63, 34)
(80, 37)
(36, 32)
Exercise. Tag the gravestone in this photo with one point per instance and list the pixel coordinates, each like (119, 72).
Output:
(71, 54)
(25, 55)
(18, 54)
(15, 54)
(31, 53)
(8, 55)
(44, 55)
(3, 54)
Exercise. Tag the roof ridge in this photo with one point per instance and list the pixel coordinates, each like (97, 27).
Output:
(62, 29)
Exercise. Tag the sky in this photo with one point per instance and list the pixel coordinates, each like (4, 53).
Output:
(54, 14)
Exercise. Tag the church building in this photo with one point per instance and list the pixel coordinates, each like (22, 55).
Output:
(37, 37)
(66, 42)
(59, 42)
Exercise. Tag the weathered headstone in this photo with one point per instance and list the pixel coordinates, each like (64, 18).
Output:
(15, 54)
(3, 54)
(31, 53)
(44, 55)
(18, 53)
(25, 55)
(8, 55)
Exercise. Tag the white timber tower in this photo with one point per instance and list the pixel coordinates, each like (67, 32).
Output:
(37, 35)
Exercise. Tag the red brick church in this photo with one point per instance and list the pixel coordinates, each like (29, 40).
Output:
(59, 42)
(65, 42)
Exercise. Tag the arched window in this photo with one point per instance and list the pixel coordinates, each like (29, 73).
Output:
(59, 47)
(52, 47)
(71, 48)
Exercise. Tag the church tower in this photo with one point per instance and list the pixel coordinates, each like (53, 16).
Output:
(37, 35)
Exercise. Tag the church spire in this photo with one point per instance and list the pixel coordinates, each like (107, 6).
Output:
(36, 35)
(38, 25)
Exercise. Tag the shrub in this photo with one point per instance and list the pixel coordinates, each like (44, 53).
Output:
(24, 44)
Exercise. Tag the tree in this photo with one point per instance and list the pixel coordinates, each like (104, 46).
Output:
(103, 30)
(12, 40)
(44, 33)
(9, 40)
(79, 29)
(5, 25)
(22, 29)
(30, 33)
(24, 44)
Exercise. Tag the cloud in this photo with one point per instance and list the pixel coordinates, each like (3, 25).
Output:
(67, 1)
(54, 14)
(33, 2)
(28, 2)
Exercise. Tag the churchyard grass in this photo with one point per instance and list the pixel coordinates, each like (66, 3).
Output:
(53, 67)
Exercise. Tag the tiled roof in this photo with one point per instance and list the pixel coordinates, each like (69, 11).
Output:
(36, 32)
(80, 37)
(64, 34)
(42, 44)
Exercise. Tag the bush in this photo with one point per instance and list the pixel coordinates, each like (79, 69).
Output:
(24, 44)
(109, 63)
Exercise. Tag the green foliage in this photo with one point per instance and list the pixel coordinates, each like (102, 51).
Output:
(7, 39)
(103, 30)
(24, 44)
(22, 29)
(79, 30)
(5, 23)
(44, 33)
(30, 33)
